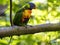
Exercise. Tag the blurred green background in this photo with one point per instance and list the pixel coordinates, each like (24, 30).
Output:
(47, 11)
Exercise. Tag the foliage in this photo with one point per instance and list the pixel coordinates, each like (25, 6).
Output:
(45, 13)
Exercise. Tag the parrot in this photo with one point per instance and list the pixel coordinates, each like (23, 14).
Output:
(23, 15)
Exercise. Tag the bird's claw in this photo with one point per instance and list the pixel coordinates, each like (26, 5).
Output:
(28, 26)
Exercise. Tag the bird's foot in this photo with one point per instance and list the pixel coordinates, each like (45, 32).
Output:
(28, 26)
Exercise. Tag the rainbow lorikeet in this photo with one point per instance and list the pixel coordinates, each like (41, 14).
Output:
(23, 15)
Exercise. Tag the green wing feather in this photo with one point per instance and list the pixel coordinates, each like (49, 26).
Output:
(18, 17)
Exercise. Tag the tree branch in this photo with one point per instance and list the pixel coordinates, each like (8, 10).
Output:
(11, 21)
(16, 30)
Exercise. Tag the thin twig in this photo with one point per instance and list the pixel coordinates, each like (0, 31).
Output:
(11, 13)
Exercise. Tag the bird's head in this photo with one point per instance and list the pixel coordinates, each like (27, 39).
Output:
(28, 8)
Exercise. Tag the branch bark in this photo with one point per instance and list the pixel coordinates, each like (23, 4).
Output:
(21, 30)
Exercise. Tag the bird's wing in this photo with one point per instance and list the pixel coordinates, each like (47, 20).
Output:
(18, 17)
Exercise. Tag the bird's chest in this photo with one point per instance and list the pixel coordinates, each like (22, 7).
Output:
(25, 17)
